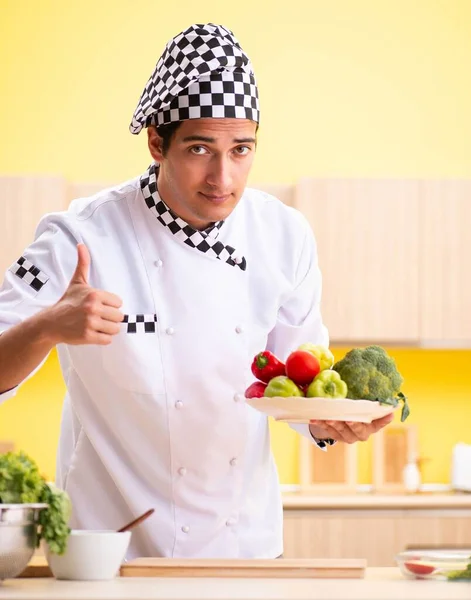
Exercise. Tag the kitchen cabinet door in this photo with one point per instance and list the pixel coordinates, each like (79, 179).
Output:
(445, 263)
(23, 201)
(367, 238)
(436, 529)
(375, 534)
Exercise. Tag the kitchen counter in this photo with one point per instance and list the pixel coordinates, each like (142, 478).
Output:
(379, 583)
(362, 500)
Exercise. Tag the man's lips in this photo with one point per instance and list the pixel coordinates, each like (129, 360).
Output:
(218, 199)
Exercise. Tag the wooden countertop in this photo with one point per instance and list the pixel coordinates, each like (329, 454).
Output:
(384, 583)
(362, 500)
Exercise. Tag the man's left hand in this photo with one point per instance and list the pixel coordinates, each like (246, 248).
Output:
(348, 432)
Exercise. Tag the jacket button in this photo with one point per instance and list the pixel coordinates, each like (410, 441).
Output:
(158, 263)
(230, 522)
(178, 404)
(185, 529)
(239, 329)
(182, 471)
(233, 462)
(170, 331)
(238, 398)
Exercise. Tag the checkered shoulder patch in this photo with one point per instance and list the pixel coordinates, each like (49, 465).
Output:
(24, 269)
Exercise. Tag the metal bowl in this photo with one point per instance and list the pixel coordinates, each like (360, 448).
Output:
(18, 530)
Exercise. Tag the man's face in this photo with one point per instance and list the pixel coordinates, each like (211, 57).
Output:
(204, 172)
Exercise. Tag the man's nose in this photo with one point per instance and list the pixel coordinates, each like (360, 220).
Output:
(220, 174)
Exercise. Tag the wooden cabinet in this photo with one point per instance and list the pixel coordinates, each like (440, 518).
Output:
(445, 262)
(375, 534)
(367, 238)
(24, 200)
(394, 256)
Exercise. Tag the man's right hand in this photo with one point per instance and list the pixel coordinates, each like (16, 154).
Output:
(84, 315)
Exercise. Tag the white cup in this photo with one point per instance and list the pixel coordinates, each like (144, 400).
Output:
(90, 555)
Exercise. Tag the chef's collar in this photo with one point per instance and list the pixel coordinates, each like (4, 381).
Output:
(203, 240)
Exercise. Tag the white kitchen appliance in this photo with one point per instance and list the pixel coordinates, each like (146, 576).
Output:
(461, 468)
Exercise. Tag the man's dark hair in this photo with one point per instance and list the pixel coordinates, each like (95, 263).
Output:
(166, 132)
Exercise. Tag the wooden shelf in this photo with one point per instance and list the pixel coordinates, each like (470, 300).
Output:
(294, 501)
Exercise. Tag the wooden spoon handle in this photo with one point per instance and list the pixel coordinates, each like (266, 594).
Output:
(136, 521)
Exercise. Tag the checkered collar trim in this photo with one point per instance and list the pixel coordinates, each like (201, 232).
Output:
(205, 241)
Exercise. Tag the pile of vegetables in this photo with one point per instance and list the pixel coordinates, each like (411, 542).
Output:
(311, 371)
(21, 483)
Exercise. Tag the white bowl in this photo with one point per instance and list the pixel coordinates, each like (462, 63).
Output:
(90, 555)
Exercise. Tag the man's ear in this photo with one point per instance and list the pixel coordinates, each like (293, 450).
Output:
(155, 143)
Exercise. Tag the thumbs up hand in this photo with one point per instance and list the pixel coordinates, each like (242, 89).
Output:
(85, 315)
(83, 265)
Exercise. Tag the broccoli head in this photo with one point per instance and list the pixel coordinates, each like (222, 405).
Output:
(370, 374)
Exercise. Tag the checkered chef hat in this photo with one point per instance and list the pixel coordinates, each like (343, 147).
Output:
(203, 72)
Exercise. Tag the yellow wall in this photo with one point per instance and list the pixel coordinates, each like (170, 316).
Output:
(436, 382)
(348, 88)
(32, 418)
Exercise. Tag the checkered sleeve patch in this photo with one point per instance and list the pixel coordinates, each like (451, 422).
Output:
(29, 273)
(140, 323)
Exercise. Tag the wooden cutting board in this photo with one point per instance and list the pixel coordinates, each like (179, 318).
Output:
(285, 567)
(172, 567)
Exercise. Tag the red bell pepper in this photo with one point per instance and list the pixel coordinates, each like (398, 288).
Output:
(266, 365)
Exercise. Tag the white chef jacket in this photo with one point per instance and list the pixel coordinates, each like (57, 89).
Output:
(158, 418)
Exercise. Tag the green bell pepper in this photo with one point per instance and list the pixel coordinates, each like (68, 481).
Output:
(282, 386)
(327, 384)
(323, 354)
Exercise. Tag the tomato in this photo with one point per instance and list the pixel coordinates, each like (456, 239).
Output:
(302, 367)
(419, 569)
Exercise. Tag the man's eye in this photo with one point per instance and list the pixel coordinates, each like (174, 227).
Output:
(242, 150)
(198, 149)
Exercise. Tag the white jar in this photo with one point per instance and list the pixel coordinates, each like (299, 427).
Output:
(411, 477)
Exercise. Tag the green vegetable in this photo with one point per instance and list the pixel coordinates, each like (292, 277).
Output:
(327, 384)
(21, 483)
(54, 520)
(282, 386)
(464, 574)
(20, 480)
(371, 374)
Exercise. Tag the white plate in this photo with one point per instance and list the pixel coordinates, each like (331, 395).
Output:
(297, 409)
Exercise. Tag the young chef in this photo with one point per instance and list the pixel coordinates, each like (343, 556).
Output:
(158, 293)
